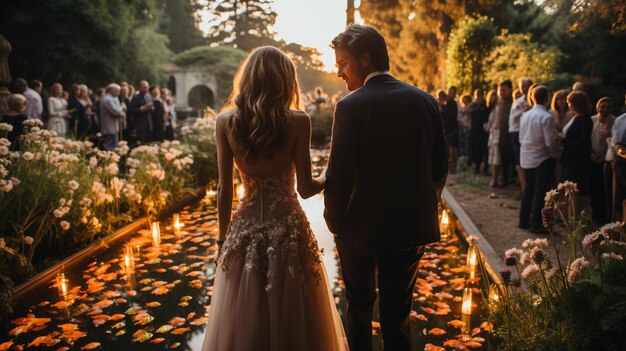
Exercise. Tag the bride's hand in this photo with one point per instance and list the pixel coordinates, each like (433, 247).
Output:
(219, 244)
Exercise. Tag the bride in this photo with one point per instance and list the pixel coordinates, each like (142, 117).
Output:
(271, 291)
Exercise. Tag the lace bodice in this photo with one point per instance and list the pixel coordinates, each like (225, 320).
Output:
(269, 223)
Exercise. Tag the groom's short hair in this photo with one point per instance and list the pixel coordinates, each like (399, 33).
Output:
(359, 39)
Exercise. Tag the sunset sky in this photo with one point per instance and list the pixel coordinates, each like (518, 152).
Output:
(309, 23)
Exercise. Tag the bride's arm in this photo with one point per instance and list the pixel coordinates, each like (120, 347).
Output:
(307, 185)
(225, 170)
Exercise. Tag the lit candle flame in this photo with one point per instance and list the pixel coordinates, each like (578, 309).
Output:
(177, 224)
(62, 285)
(472, 260)
(240, 191)
(466, 307)
(156, 234)
(444, 225)
(129, 259)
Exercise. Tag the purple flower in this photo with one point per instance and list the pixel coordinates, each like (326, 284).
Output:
(510, 261)
(506, 276)
(548, 215)
(538, 255)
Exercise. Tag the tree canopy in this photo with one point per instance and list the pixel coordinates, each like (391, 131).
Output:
(470, 43)
(516, 56)
(88, 41)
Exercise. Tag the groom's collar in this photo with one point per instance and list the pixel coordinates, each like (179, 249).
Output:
(374, 74)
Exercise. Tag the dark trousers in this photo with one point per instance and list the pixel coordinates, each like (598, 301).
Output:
(516, 146)
(619, 189)
(596, 192)
(608, 191)
(144, 136)
(507, 160)
(397, 274)
(538, 181)
(109, 142)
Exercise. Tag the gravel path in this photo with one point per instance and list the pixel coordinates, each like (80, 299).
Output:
(495, 211)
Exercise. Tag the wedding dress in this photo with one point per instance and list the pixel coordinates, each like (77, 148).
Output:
(271, 291)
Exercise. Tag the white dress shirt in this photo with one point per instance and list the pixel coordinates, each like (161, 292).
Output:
(617, 132)
(34, 105)
(519, 107)
(374, 74)
(538, 137)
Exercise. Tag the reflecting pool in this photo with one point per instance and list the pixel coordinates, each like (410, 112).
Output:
(152, 292)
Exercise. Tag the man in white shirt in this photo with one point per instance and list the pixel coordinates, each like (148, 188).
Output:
(520, 105)
(34, 105)
(538, 138)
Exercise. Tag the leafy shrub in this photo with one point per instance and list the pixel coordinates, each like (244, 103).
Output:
(574, 305)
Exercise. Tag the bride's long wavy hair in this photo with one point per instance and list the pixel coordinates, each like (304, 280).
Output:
(265, 89)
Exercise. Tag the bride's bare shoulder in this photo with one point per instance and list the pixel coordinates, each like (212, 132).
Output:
(300, 116)
(225, 115)
(223, 118)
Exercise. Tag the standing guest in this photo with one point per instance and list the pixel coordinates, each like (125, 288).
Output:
(170, 113)
(503, 110)
(493, 127)
(520, 106)
(19, 86)
(618, 142)
(602, 125)
(110, 114)
(561, 114)
(15, 117)
(125, 124)
(479, 115)
(95, 115)
(559, 110)
(449, 114)
(465, 125)
(131, 92)
(576, 140)
(34, 104)
(158, 115)
(79, 122)
(141, 108)
(37, 86)
(58, 111)
(538, 152)
(516, 94)
(319, 99)
(460, 147)
(578, 86)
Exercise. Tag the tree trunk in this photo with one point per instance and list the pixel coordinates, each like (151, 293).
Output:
(349, 13)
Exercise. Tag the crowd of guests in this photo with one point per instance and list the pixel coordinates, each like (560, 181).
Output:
(535, 138)
(116, 112)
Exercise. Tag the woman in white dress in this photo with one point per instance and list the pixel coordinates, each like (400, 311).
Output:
(271, 291)
(58, 114)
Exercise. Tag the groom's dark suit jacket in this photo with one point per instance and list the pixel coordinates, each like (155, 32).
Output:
(388, 159)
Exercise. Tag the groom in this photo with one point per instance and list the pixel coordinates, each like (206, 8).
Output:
(388, 165)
